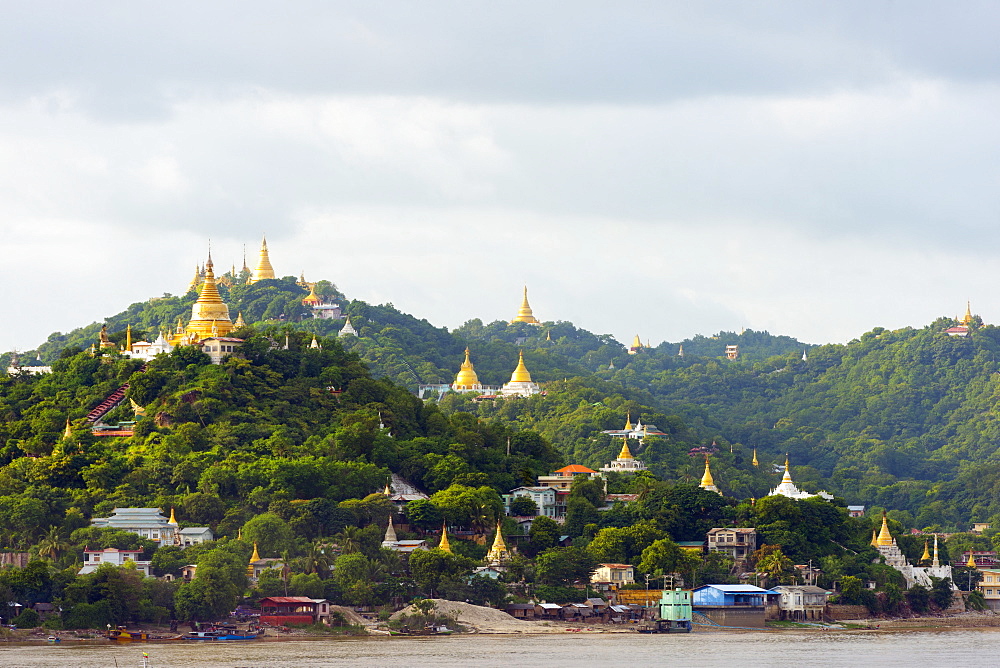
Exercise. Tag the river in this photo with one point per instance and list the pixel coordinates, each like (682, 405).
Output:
(913, 649)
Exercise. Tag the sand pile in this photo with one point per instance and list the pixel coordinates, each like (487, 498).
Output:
(350, 616)
(483, 620)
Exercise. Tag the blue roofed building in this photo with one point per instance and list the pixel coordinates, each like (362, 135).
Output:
(739, 606)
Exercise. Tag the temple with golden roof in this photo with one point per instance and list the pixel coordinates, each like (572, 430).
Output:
(524, 314)
(626, 462)
(498, 555)
(209, 315)
(520, 384)
(893, 556)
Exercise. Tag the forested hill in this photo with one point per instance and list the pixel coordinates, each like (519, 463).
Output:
(903, 419)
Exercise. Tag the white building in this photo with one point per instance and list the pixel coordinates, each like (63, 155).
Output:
(625, 463)
(348, 329)
(886, 546)
(520, 384)
(194, 536)
(94, 558)
(145, 522)
(788, 488)
(219, 348)
(544, 497)
(144, 350)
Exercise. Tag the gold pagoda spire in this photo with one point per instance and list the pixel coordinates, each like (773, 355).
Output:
(264, 269)
(196, 281)
(625, 453)
(967, 318)
(520, 374)
(636, 342)
(524, 314)
(253, 558)
(444, 545)
(128, 338)
(173, 518)
(312, 299)
(788, 476)
(874, 542)
(926, 556)
(971, 563)
(707, 482)
(466, 378)
(209, 315)
(885, 538)
(240, 322)
(498, 553)
(68, 431)
(935, 562)
(628, 421)
(755, 462)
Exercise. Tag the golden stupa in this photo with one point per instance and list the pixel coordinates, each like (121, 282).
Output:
(209, 315)
(971, 563)
(885, 538)
(520, 374)
(444, 545)
(253, 558)
(926, 556)
(524, 313)
(264, 269)
(967, 318)
(466, 378)
(625, 453)
(755, 462)
(311, 299)
(707, 482)
(499, 553)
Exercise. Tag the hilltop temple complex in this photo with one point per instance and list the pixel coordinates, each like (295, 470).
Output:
(524, 313)
(787, 487)
(889, 550)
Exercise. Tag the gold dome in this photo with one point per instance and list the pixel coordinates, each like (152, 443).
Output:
(520, 374)
(209, 315)
(264, 268)
(524, 313)
(636, 342)
(971, 563)
(466, 378)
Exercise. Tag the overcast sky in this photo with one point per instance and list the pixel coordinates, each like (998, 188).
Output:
(661, 168)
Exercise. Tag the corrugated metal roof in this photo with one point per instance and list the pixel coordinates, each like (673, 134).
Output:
(736, 589)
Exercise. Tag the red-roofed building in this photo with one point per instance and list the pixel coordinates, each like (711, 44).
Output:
(562, 479)
(283, 610)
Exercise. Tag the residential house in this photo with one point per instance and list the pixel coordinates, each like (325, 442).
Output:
(544, 498)
(739, 542)
(801, 602)
(92, 559)
(989, 587)
(562, 479)
(521, 610)
(614, 574)
(282, 610)
(195, 536)
(856, 511)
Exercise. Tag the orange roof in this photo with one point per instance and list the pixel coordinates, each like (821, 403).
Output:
(575, 468)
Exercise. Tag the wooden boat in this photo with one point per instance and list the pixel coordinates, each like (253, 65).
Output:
(123, 635)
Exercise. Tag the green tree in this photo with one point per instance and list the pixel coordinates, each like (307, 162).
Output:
(564, 566)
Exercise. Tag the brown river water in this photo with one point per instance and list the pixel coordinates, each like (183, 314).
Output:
(940, 649)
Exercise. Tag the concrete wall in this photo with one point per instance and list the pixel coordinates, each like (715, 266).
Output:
(751, 617)
(848, 612)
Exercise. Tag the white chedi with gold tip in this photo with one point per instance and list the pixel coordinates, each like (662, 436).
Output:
(788, 489)
(626, 462)
(520, 384)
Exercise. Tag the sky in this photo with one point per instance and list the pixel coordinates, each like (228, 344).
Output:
(812, 169)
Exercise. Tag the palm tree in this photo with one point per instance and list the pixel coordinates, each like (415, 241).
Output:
(52, 546)
(317, 560)
(349, 539)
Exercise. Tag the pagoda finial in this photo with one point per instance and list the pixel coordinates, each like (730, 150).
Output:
(935, 562)
(173, 518)
(625, 453)
(707, 482)
(524, 314)
(755, 462)
(255, 557)
(926, 556)
(967, 318)
(128, 338)
(520, 374)
(264, 269)
(628, 421)
(788, 476)
(971, 563)
(498, 553)
(390, 533)
(467, 378)
(444, 544)
(885, 538)
(68, 431)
